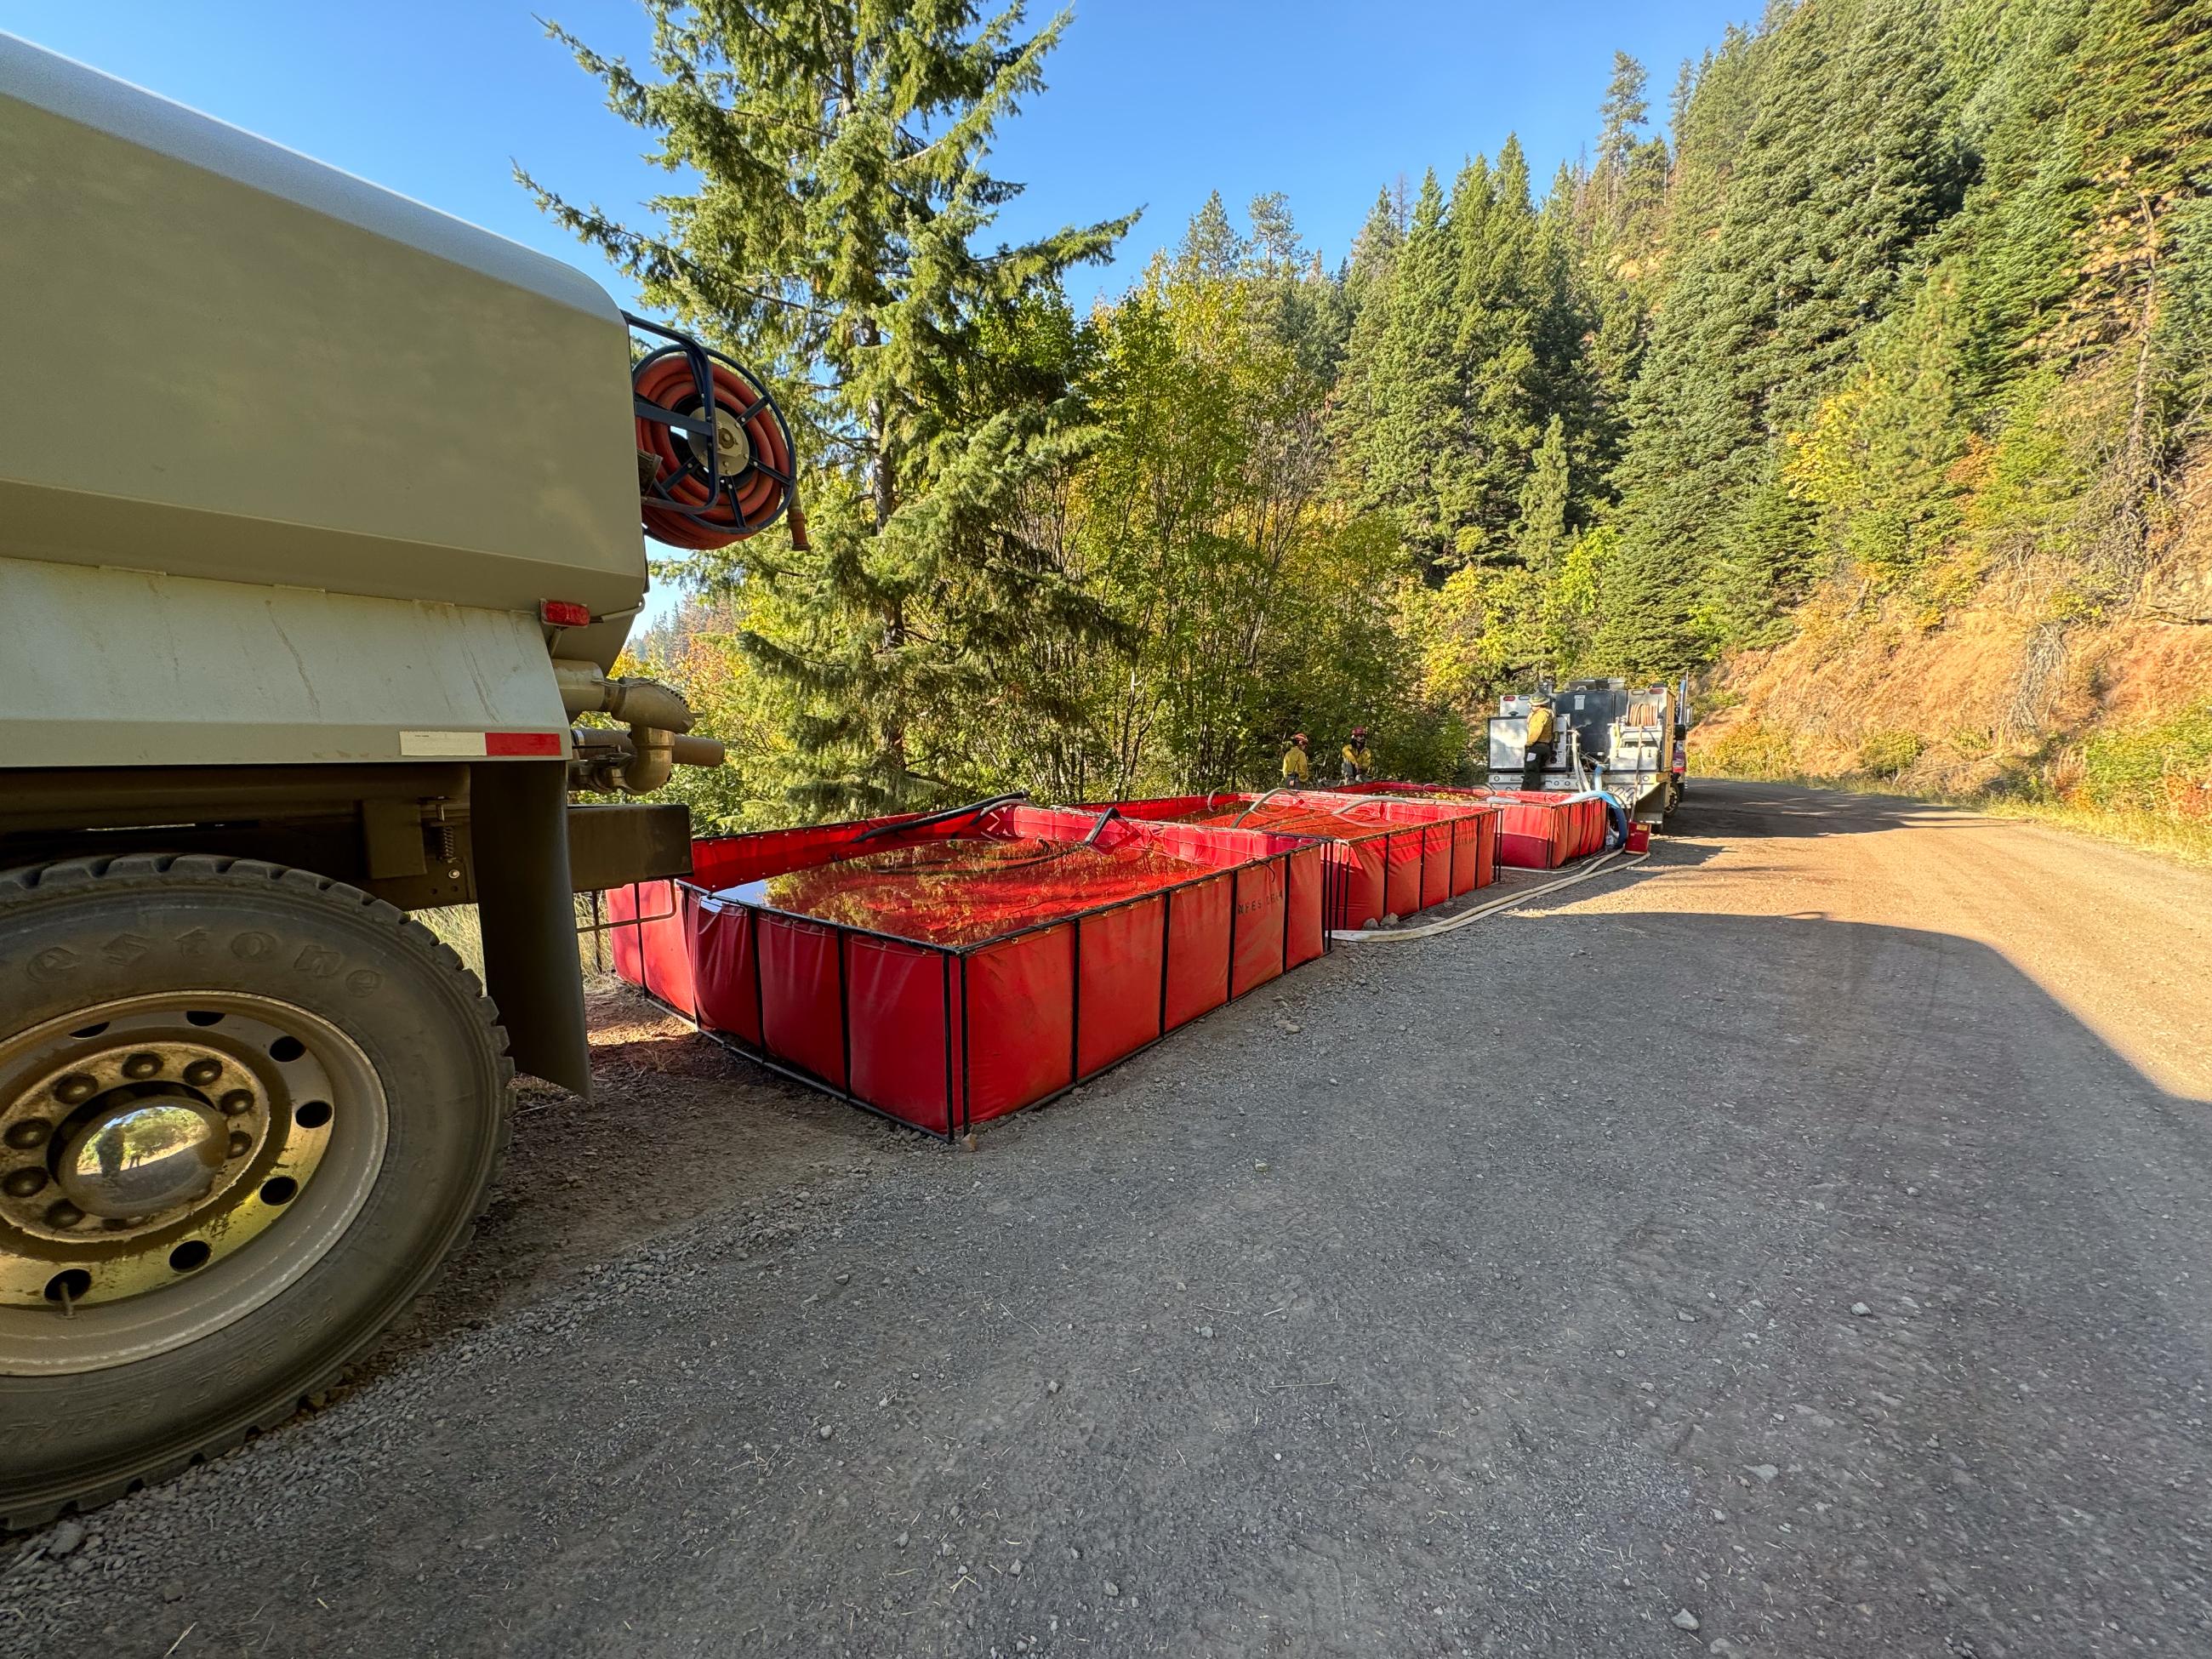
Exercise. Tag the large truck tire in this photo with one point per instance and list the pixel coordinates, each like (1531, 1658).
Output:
(247, 1114)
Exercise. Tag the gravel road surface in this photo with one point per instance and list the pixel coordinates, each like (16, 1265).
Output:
(1796, 1244)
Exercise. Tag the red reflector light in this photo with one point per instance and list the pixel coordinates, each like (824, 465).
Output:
(523, 743)
(564, 613)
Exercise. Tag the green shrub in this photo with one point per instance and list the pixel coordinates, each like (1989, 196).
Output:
(2166, 768)
(1750, 750)
(1888, 754)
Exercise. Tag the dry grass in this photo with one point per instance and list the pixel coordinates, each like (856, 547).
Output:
(2185, 841)
(456, 924)
(1871, 694)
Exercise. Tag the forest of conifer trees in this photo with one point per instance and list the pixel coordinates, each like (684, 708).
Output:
(1891, 311)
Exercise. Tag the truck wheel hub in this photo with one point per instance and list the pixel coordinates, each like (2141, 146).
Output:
(145, 1155)
(144, 1142)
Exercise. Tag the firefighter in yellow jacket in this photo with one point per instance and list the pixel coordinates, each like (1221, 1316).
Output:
(1357, 763)
(1542, 742)
(1297, 771)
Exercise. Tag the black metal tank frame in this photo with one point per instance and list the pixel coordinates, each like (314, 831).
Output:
(843, 931)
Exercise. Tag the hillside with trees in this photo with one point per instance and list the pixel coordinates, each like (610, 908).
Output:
(1867, 379)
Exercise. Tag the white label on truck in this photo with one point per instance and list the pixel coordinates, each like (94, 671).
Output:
(469, 744)
(481, 745)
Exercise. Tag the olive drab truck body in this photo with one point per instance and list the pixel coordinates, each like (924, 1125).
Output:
(319, 533)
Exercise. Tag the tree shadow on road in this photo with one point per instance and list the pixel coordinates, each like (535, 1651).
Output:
(1729, 808)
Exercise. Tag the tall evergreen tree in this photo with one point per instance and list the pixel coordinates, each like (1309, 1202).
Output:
(1374, 253)
(1708, 135)
(1678, 101)
(1369, 280)
(1568, 287)
(1275, 247)
(1309, 308)
(1845, 167)
(1623, 113)
(1495, 294)
(833, 235)
(1541, 541)
(1403, 444)
(1211, 247)
(1540, 536)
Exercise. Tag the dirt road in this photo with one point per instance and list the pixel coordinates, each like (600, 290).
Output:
(1805, 1234)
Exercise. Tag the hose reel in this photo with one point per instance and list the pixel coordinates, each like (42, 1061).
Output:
(714, 453)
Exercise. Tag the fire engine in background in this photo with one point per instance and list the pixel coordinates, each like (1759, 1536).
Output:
(1629, 741)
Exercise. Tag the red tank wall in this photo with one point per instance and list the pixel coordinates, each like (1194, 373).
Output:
(943, 1038)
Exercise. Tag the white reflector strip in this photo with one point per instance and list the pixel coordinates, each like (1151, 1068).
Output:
(468, 745)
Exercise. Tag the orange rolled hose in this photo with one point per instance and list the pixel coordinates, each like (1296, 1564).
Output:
(755, 489)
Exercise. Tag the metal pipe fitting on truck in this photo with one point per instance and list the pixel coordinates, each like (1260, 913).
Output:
(656, 744)
(636, 761)
(652, 757)
(586, 690)
(688, 751)
(632, 762)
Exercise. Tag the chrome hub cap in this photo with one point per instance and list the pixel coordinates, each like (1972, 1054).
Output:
(143, 1156)
(167, 1164)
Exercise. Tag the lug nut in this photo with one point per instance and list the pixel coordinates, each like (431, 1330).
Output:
(21, 1183)
(31, 1132)
(237, 1101)
(240, 1143)
(201, 1072)
(64, 1214)
(76, 1088)
(141, 1066)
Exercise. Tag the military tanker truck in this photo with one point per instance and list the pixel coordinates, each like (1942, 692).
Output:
(319, 533)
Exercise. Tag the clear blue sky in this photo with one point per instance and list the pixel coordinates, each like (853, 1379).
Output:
(1151, 103)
